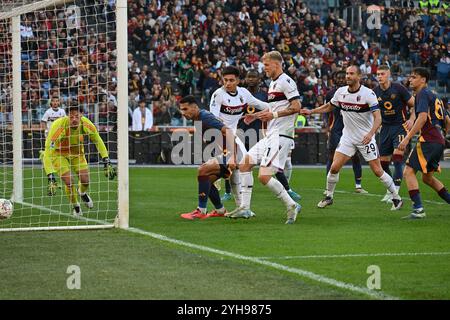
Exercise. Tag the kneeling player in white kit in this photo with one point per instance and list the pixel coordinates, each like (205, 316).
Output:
(271, 151)
(362, 118)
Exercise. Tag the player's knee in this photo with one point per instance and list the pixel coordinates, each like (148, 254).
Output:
(264, 179)
(408, 172)
(427, 179)
(334, 169)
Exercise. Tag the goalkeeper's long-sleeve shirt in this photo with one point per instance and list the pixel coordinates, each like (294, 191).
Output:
(66, 141)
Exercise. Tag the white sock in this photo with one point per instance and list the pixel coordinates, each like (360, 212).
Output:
(277, 188)
(202, 210)
(389, 184)
(235, 182)
(246, 189)
(288, 169)
(332, 180)
(221, 210)
(358, 186)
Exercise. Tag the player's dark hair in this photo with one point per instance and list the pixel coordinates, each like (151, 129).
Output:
(74, 107)
(231, 70)
(253, 71)
(337, 73)
(188, 99)
(423, 72)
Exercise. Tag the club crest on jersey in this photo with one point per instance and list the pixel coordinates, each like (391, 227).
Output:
(358, 98)
(274, 85)
(242, 99)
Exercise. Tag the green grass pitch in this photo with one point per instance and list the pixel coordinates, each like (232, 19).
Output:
(339, 243)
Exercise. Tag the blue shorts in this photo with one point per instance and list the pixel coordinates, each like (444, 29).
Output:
(390, 138)
(333, 140)
(425, 157)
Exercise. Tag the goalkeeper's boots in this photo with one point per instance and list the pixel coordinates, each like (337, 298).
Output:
(226, 197)
(196, 214)
(77, 210)
(418, 213)
(87, 200)
(292, 213)
(294, 195)
(327, 201)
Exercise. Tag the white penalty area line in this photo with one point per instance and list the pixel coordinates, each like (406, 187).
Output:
(255, 260)
(373, 195)
(357, 255)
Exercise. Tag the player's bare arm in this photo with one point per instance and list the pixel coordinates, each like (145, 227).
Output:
(294, 107)
(327, 107)
(410, 122)
(376, 124)
(420, 121)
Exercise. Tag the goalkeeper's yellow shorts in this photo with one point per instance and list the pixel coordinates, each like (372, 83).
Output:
(63, 164)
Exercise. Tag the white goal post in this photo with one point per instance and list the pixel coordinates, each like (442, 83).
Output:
(86, 57)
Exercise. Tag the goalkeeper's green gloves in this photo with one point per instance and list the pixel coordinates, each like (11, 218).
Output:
(108, 169)
(52, 185)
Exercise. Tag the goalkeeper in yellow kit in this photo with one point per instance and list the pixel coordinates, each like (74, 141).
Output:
(64, 154)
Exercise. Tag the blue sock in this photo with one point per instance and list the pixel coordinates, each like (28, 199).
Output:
(357, 169)
(227, 186)
(443, 193)
(415, 198)
(214, 196)
(203, 191)
(283, 180)
(398, 169)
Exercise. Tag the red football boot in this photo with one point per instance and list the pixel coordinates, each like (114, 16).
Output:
(196, 214)
(215, 214)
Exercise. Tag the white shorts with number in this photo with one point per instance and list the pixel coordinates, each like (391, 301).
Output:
(368, 151)
(271, 151)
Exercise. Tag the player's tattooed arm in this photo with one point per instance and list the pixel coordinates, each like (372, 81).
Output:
(327, 107)
(294, 107)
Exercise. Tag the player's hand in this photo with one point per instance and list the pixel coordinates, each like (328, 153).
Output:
(249, 118)
(305, 112)
(108, 169)
(402, 146)
(367, 138)
(265, 115)
(409, 124)
(52, 185)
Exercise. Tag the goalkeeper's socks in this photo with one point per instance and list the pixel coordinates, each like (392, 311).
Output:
(77, 210)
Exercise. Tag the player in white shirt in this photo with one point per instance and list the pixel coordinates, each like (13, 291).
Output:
(272, 150)
(51, 114)
(228, 104)
(362, 118)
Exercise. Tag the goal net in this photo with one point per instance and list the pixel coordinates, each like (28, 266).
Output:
(53, 55)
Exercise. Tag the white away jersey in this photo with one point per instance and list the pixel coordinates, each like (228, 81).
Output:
(51, 115)
(282, 90)
(230, 108)
(357, 108)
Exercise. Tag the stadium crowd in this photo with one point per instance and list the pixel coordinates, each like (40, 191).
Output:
(195, 39)
(188, 42)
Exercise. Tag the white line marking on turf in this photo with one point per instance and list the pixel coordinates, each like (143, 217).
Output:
(374, 195)
(42, 208)
(297, 271)
(400, 254)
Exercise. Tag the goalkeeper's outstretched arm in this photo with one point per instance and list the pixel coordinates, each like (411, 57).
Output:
(94, 136)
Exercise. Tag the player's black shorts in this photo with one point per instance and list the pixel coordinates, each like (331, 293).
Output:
(333, 140)
(425, 156)
(390, 138)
